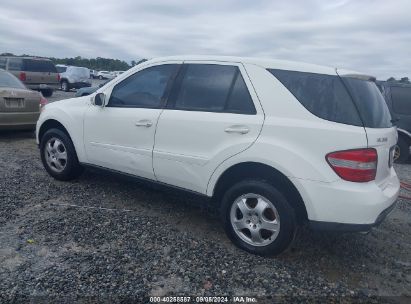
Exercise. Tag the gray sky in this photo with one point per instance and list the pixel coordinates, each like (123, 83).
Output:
(371, 36)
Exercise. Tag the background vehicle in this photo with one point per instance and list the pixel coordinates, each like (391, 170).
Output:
(89, 90)
(117, 73)
(398, 98)
(38, 74)
(273, 143)
(73, 77)
(93, 74)
(19, 106)
(105, 75)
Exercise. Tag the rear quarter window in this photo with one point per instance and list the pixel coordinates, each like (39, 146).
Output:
(323, 95)
(371, 104)
(15, 64)
(401, 100)
(34, 65)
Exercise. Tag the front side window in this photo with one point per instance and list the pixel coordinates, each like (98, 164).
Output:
(213, 88)
(144, 89)
(401, 100)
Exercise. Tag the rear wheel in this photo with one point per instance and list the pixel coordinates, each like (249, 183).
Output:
(100, 77)
(402, 150)
(258, 218)
(47, 93)
(59, 156)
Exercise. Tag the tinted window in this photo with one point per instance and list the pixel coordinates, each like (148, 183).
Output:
(323, 95)
(15, 64)
(61, 69)
(3, 63)
(370, 103)
(143, 89)
(205, 87)
(240, 100)
(34, 65)
(401, 99)
(9, 81)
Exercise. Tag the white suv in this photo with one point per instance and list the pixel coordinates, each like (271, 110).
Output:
(276, 144)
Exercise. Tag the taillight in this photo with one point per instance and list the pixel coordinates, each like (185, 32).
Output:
(43, 102)
(354, 165)
(22, 76)
(58, 77)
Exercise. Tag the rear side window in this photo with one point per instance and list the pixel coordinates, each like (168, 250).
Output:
(61, 69)
(401, 100)
(3, 62)
(143, 89)
(34, 65)
(8, 80)
(15, 64)
(323, 95)
(213, 88)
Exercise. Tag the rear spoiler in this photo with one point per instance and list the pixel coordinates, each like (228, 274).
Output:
(350, 74)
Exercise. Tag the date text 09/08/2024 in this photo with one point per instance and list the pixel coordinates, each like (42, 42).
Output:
(203, 299)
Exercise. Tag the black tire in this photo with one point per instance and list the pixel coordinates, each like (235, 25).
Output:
(64, 85)
(288, 224)
(402, 150)
(100, 77)
(47, 93)
(72, 169)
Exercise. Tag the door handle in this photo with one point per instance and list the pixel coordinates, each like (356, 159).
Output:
(237, 129)
(144, 123)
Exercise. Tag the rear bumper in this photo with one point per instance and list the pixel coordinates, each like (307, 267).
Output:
(348, 206)
(342, 227)
(16, 120)
(39, 87)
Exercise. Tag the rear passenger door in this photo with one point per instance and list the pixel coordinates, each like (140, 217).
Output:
(212, 114)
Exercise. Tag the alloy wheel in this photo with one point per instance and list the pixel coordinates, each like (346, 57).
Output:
(255, 219)
(55, 154)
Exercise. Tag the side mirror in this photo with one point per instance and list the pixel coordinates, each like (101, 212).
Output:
(99, 99)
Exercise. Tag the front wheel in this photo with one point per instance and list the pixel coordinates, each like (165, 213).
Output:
(59, 156)
(258, 218)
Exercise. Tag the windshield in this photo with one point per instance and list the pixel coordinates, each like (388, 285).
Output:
(370, 103)
(9, 81)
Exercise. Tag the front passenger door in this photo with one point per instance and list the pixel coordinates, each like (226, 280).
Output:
(120, 136)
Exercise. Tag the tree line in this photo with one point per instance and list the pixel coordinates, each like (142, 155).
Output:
(99, 63)
(401, 80)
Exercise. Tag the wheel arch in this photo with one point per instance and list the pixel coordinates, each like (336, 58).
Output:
(246, 170)
(405, 134)
(50, 124)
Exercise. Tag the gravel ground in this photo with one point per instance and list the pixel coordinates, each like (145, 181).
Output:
(107, 238)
